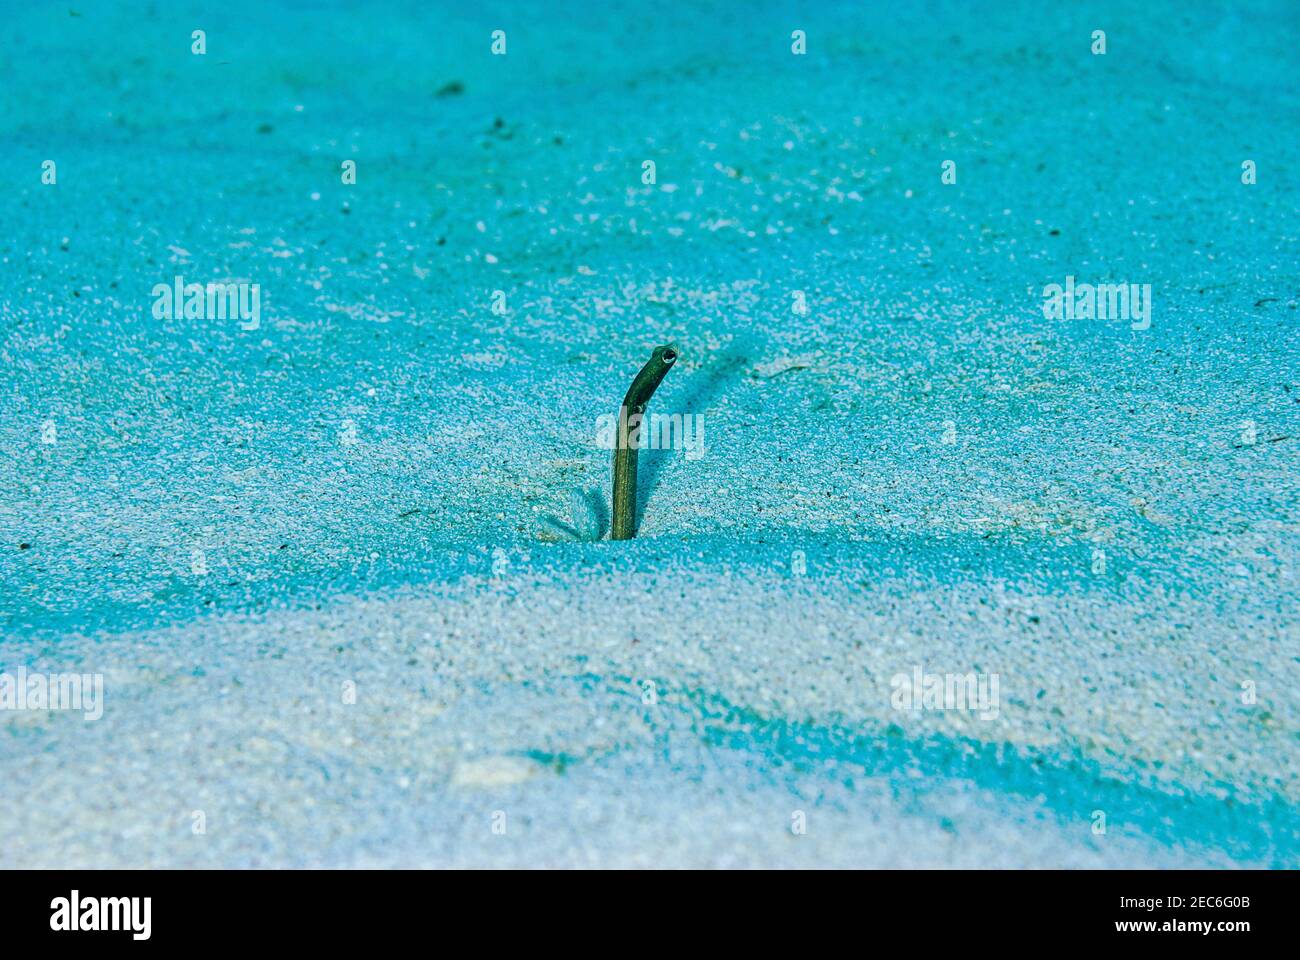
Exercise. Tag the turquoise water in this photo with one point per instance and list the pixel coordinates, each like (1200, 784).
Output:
(359, 486)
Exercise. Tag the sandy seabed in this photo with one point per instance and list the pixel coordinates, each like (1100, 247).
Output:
(337, 569)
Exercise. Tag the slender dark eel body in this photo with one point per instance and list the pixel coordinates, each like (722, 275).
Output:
(638, 396)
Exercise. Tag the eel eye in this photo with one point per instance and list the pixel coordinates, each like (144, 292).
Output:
(669, 356)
